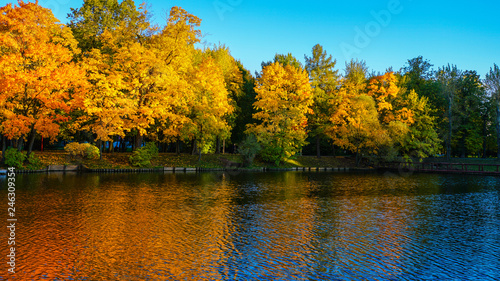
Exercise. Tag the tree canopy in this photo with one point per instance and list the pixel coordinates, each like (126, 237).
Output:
(110, 76)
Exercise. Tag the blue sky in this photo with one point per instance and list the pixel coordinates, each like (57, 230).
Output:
(383, 33)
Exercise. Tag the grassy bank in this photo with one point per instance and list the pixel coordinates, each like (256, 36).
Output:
(121, 160)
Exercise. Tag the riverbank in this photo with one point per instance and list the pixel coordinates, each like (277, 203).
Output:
(120, 161)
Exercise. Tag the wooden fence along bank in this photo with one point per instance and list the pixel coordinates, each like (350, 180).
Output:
(445, 168)
(79, 168)
(438, 167)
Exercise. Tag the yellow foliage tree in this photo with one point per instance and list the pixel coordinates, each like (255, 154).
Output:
(284, 97)
(39, 82)
(388, 96)
(396, 114)
(105, 105)
(369, 118)
(362, 132)
(210, 104)
(233, 79)
(142, 77)
(351, 86)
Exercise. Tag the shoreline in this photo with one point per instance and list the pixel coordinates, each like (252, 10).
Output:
(173, 170)
(59, 161)
(82, 169)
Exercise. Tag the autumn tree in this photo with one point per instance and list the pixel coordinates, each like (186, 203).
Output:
(324, 80)
(283, 100)
(285, 60)
(209, 105)
(366, 117)
(105, 104)
(492, 84)
(143, 73)
(361, 131)
(108, 103)
(352, 84)
(39, 82)
(385, 92)
(94, 17)
(394, 116)
(234, 85)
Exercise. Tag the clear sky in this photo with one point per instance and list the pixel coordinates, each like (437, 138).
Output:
(383, 33)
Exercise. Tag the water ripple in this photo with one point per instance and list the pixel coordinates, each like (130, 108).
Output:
(269, 226)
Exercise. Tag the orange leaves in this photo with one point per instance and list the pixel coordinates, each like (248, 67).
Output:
(384, 90)
(37, 72)
(390, 103)
(47, 128)
(372, 118)
(16, 125)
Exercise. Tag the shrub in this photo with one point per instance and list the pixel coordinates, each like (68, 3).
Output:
(34, 163)
(91, 151)
(249, 148)
(83, 150)
(142, 156)
(272, 154)
(14, 158)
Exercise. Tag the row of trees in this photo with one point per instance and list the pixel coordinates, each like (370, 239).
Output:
(415, 113)
(110, 74)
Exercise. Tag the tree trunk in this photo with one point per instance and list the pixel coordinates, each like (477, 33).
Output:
(20, 143)
(178, 147)
(223, 146)
(318, 146)
(498, 131)
(111, 145)
(138, 140)
(4, 147)
(99, 145)
(217, 145)
(333, 149)
(199, 155)
(357, 157)
(32, 141)
(484, 137)
(195, 148)
(448, 144)
(121, 144)
(463, 149)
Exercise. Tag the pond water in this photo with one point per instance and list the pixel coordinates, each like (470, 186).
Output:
(254, 226)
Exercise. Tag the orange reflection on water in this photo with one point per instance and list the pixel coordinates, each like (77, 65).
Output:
(108, 230)
(211, 226)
